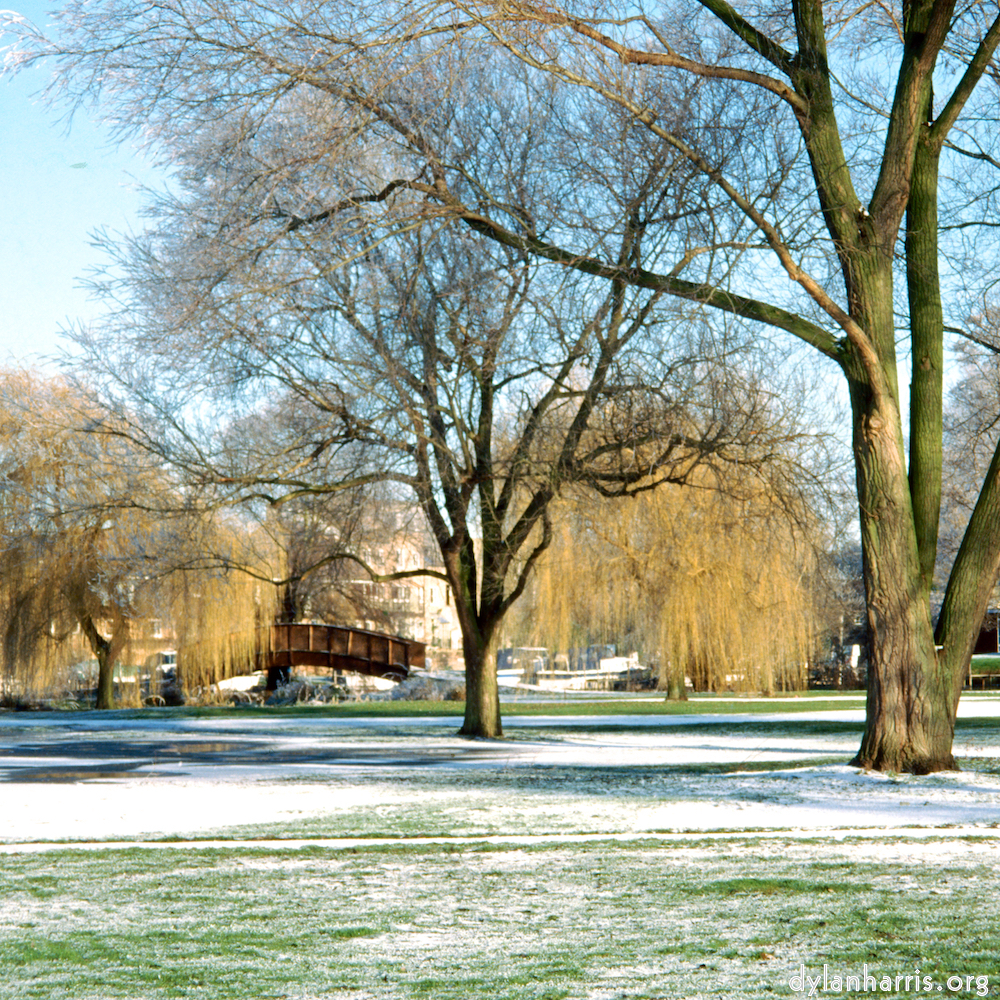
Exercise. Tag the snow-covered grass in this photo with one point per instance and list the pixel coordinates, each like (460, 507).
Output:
(596, 920)
(583, 856)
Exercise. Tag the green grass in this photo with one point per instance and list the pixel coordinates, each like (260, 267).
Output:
(555, 920)
(770, 886)
(646, 704)
(640, 920)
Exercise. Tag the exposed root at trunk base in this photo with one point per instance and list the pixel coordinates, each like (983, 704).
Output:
(904, 762)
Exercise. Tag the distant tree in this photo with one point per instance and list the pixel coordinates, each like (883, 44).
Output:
(317, 539)
(67, 564)
(92, 546)
(316, 532)
(335, 550)
(716, 583)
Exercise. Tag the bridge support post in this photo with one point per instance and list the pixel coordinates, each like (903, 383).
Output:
(276, 676)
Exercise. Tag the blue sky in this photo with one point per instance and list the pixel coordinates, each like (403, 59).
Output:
(58, 188)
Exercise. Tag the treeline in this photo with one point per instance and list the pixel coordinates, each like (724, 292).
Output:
(102, 546)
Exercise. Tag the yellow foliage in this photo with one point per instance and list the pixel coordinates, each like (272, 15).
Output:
(95, 543)
(712, 586)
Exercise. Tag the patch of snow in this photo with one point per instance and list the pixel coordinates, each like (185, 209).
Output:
(139, 777)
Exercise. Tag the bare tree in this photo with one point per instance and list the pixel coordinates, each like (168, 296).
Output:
(480, 381)
(439, 366)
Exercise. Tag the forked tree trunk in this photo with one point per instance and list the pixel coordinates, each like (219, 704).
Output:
(911, 701)
(911, 707)
(910, 720)
(106, 651)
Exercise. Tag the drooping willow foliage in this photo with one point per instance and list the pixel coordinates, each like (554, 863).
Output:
(223, 603)
(99, 559)
(717, 588)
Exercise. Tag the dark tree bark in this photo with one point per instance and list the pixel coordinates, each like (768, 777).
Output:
(106, 652)
(482, 694)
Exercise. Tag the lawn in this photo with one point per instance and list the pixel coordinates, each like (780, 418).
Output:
(301, 854)
(578, 703)
(643, 919)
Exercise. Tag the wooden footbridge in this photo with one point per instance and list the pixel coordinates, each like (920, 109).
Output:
(337, 647)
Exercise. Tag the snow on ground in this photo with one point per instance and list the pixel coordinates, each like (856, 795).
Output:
(89, 776)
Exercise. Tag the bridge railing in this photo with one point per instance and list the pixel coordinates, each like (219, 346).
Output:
(338, 647)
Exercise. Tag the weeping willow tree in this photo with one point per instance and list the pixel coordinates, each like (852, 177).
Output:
(221, 612)
(716, 587)
(94, 545)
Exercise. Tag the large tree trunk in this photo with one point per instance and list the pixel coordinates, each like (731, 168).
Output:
(911, 701)
(911, 708)
(480, 632)
(482, 694)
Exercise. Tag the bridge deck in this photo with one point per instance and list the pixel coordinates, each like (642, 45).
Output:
(338, 647)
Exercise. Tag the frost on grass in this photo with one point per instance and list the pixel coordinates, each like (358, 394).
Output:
(595, 921)
(734, 915)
